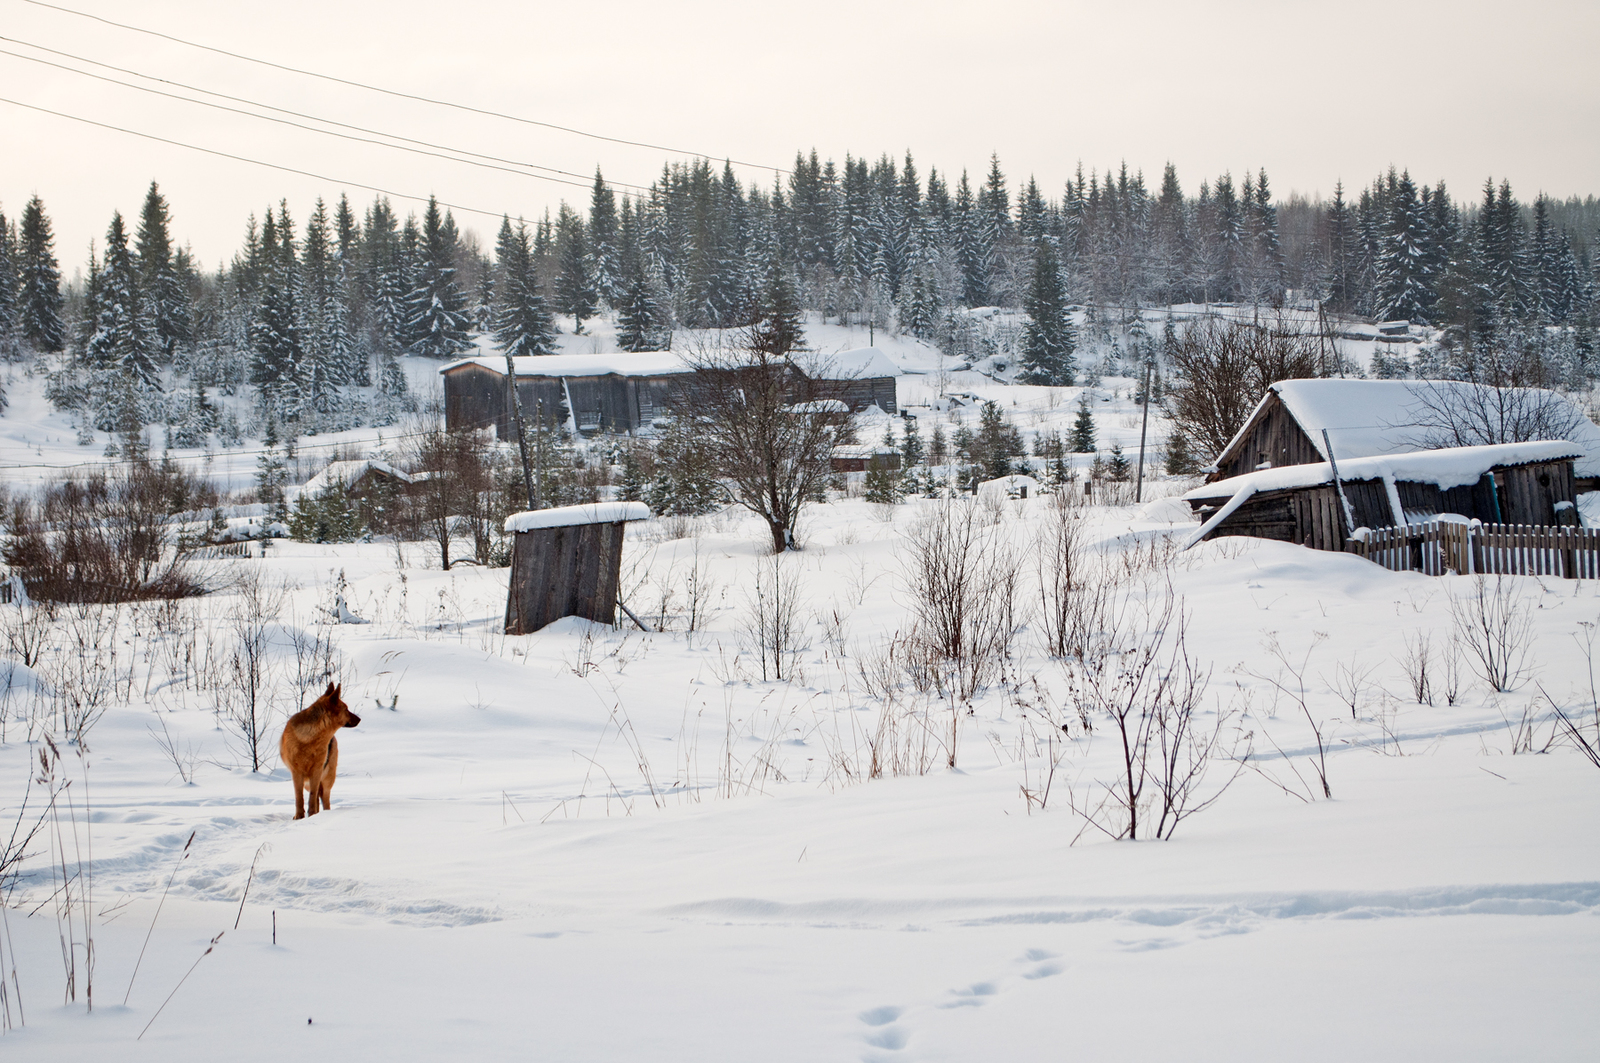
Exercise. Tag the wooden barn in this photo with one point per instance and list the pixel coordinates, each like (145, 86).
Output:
(1511, 483)
(1371, 418)
(624, 392)
(590, 393)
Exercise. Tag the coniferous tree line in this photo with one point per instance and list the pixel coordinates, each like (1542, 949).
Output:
(307, 320)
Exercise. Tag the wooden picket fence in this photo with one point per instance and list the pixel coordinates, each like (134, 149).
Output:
(1510, 549)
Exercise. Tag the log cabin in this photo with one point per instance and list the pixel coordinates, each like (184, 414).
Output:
(1372, 418)
(1510, 483)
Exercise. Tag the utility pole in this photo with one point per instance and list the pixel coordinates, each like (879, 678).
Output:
(522, 436)
(1144, 424)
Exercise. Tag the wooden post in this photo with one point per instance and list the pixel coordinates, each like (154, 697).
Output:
(1344, 503)
(522, 436)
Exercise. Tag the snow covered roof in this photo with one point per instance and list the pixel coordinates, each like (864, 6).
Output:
(344, 473)
(865, 451)
(620, 363)
(1446, 468)
(568, 516)
(1366, 418)
(863, 363)
(820, 406)
(1007, 485)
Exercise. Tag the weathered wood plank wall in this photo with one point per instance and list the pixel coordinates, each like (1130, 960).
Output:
(567, 571)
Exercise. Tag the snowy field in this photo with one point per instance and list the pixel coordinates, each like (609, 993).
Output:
(597, 844)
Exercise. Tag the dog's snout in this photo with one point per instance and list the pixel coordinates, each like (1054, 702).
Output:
(354, 719)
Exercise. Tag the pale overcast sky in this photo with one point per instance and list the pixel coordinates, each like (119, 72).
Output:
(1313, 92)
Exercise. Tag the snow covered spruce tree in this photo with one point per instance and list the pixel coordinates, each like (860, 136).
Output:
(1082, 438)
(161, 287)
(276, 349)
(120, 355)
(522, 322)
(40, 276)
(10, 319)
(329, 355)
(1048, 338)
(574, 287)
(436, 319)
(605, 268)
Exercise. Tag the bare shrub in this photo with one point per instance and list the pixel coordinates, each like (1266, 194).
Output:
(1145, 683)
(27, 629)
(1495, 624)
(1419, 663)
(100, 538)
(964, 578)
(1350, 680)
(772, 617)
(181, 757)
(1059, 552)
(245, 701)
(1290, 681)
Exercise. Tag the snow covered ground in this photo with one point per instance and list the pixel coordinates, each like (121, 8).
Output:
(597, 844)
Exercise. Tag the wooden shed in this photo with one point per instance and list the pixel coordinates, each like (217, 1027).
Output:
(859, 378)
(566, 562)
(1369, 418)
(1512, 483)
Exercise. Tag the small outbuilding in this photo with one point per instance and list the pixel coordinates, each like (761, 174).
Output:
(566, 561)
(859, 457)
(859, 378)
(1511, 483)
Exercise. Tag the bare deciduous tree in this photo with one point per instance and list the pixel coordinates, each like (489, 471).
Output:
(1220, 370)
(1456, 413)
(768, 428)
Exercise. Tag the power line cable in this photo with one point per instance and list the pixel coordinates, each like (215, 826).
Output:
(296, 125)
(282, 110)
(258, 162)
(398, 94)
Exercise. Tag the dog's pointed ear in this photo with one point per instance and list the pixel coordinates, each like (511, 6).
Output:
(333, 689)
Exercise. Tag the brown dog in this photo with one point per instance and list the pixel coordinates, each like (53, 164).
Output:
(310, 750)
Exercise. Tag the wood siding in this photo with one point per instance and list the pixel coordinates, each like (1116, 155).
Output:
(1273, 436)
(1310, 516)
(1529, 493)
(475, 396)
(557, 572)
